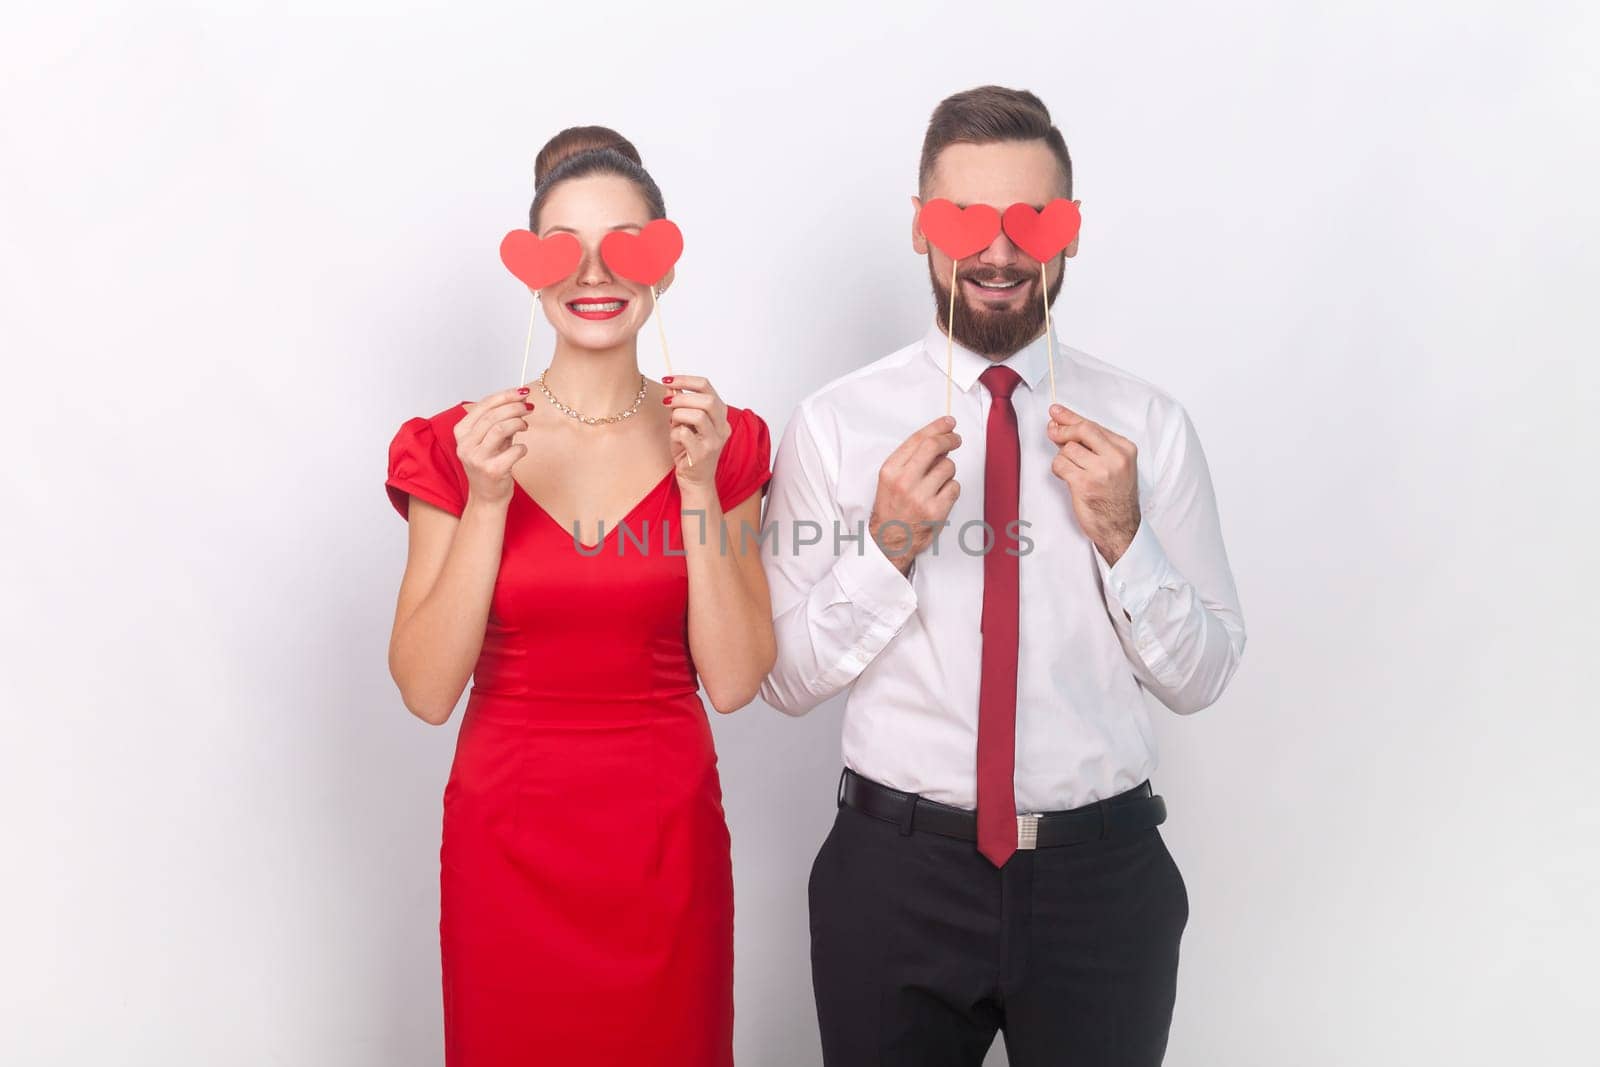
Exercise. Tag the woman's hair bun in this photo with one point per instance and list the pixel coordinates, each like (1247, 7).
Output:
(575, 140)
(583, 151)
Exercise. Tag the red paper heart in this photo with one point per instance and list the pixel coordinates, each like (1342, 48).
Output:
(1043, 234)
(540, 262)
(959, 232)
(646, 256)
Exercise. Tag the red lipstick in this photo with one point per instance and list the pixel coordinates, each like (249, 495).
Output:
(596, 308)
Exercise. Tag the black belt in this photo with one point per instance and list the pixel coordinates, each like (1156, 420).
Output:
(1136, 809)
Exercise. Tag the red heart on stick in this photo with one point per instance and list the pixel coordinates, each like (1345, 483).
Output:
(646, 256)
(959, 232)
(1043, 234)
(540, 262)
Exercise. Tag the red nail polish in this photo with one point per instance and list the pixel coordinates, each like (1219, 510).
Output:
(668, 378)
(666, 400)
(522, 391)
(529, 403)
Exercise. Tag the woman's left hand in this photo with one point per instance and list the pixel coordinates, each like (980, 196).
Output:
(699, 429)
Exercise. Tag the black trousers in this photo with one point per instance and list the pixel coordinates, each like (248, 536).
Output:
(921, 949)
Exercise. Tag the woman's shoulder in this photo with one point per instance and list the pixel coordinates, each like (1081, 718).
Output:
(746, 458)
(744, 417)
(422, 431)
(749, 427)
(446, 420)
(423, 462)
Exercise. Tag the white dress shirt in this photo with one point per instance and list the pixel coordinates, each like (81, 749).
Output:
(1165, 618)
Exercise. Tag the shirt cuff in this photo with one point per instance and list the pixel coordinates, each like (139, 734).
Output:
(1139, 572)
(876, 585)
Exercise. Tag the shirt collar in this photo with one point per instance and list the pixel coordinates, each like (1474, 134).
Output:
(1032, 363)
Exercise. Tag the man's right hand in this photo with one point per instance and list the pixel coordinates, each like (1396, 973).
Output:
(916, 490)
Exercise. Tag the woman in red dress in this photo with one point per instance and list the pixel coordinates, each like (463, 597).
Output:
(586, 890)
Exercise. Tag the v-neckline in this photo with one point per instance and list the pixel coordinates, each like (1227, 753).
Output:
(610, 528)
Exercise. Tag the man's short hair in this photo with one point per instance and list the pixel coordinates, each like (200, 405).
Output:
(988, 114)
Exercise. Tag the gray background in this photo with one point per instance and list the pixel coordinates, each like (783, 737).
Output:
(241, 245)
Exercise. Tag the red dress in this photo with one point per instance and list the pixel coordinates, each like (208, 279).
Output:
(586, 887)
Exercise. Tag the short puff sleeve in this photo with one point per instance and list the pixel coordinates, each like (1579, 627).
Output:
(746, 461)
(422, 466)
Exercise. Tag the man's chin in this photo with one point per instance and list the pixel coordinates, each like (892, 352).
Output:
(996, 333)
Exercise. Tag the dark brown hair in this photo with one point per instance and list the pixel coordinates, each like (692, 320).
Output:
(579, 151)
(988, 114)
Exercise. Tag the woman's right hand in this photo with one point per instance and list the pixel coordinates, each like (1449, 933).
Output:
(484, 445)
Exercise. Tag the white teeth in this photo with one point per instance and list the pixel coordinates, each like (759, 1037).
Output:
(609, 305)
(996, 285)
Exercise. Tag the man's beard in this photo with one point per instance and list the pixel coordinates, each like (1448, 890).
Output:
(987, 331)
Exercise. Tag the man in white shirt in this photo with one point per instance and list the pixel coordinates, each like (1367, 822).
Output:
(996, 592)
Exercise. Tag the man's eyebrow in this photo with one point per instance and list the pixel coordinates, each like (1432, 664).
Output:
(618, 226)
(963, 205)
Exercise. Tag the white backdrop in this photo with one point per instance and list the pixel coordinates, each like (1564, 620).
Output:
(240, 246)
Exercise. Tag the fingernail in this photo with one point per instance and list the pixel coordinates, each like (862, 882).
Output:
(666, 400)
(529, 403)
(522, 391)
(668, 378)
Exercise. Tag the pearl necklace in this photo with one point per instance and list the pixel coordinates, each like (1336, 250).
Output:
(591, 420)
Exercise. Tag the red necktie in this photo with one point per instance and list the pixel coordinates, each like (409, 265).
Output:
(997, 688)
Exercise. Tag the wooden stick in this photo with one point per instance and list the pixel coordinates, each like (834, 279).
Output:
(661, 330)
(950, 338)
(1050, 342)
(527, 345)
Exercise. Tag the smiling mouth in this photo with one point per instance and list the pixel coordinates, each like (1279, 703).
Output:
(596, 309)
(996, 289)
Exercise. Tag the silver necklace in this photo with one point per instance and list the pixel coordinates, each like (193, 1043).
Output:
(590, 419)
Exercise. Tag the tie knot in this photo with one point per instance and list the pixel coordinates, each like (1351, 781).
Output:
(1000, 381)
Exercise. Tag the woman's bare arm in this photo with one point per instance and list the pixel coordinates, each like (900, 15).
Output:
(730, 616)
(451, 564)
(443, 608)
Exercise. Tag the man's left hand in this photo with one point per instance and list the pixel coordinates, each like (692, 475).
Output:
(1101, 468)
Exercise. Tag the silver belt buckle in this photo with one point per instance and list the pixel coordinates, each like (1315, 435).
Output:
(1028, 831)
